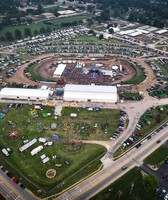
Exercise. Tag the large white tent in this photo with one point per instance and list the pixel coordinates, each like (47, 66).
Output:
(59, 70)
(24, 93)
(93, 93)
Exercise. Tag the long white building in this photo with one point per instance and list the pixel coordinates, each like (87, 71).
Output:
(93, 93)
(59, 70)
(25, 94)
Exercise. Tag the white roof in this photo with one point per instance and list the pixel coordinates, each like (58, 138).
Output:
(90, 88)
(135, 33)
(95, 93)
(126, 32)
(43, 140)
(152, 29)
(59, 70)
(27, 145)
(36, 150)
(45, 160)
(6, 92)
(43, 156)
(161, 31)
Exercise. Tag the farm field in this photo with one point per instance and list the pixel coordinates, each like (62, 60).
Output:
(23, 123)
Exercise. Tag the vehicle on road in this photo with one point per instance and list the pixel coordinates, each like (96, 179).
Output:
(124, 167)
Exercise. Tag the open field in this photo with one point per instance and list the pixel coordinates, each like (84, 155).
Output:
(147, 128)
(121, 189)
(157, 157)
(30, 169)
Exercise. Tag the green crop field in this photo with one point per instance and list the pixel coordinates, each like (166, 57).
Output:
(30, 169)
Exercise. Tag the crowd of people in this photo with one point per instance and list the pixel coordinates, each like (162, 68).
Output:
(74, 75)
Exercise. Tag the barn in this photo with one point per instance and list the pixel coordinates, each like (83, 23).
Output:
(90, 93)
(24, 93)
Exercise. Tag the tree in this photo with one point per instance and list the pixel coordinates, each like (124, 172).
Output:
(2, 38)
(101, 37)
(9, 36)
(36, 32)
(111, 30)
(105, 15)
(42, 30)
(18, 34)
(91, 31)
(48, 29)
(150, 182)
(27, 32)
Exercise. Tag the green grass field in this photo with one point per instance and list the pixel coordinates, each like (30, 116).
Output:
(38, 25)
(157, 157)
(138, 78)
(122, 189)
(147, 128)
(30, 169)
(96, 40)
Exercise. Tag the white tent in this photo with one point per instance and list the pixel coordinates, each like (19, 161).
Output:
(94, 93)
(59, 70)
(22, 93)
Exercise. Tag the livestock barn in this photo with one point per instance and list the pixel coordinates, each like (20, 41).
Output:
(25, 94)
(90, 93)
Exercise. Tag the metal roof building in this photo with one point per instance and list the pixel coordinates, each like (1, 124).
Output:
(93, 93)
(25, 94)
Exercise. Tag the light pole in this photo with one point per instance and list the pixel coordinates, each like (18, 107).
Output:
(119, 194)
(132, 186)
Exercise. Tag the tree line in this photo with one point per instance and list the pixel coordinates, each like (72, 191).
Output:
(18, 34)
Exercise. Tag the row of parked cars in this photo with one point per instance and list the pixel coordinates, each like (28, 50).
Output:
(136, 97)
(14, 179)
(121, 126)
(162, 193)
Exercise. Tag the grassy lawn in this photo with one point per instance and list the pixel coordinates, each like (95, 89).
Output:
(138, 78)
(121, 189)
(30, 169)
(157, 157)
(34, 75)
(70, 19)
(96, 40)
(33, 26)
(147, 128)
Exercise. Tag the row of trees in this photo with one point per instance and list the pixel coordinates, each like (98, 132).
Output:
(27, 32)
